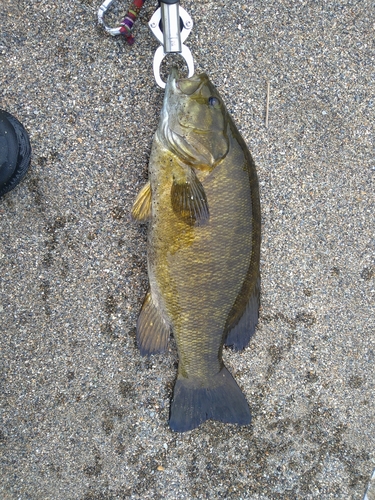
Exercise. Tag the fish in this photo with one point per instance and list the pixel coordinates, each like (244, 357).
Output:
(202, 207)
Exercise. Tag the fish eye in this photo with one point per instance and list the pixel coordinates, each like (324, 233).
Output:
(213, 101)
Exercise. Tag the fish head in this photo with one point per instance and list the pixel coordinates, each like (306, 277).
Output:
(194, 121)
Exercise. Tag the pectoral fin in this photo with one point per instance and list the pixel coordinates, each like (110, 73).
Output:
(152, 331)
(141, 210)
(189, 200)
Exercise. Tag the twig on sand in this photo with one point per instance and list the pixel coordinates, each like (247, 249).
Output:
(267, 102)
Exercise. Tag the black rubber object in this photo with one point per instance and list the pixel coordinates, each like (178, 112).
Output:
(15, 152)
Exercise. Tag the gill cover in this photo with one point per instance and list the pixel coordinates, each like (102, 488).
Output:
(194, 121)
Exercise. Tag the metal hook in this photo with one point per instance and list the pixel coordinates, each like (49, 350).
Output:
(171, 38)
(159, 56)
(102, 10)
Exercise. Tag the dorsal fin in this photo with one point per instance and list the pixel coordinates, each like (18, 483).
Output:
(141, 210)
(152, 331)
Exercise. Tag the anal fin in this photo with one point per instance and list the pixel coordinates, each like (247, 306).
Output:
(241, 330)
(152, 331)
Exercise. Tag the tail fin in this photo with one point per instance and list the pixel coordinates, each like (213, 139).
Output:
(223, 400)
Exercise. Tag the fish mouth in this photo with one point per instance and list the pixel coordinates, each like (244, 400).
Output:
(187, 86)
(171, 85)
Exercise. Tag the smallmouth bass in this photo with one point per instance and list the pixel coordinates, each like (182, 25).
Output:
(202, 204)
